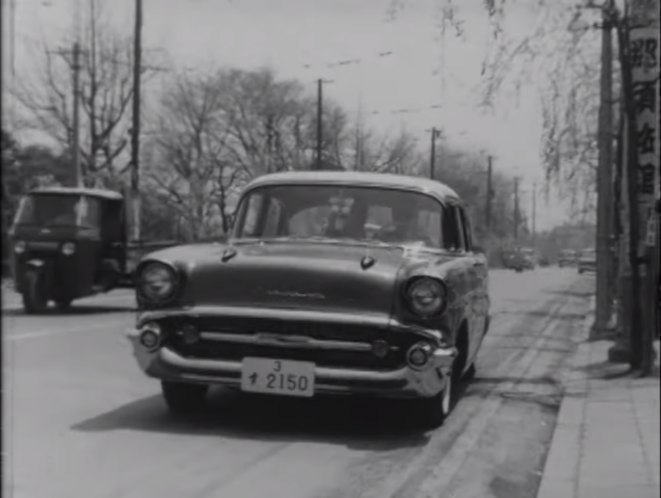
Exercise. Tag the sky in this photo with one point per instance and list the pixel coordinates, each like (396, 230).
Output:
(301, 39)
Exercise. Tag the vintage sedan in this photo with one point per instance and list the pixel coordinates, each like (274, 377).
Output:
(330, 283)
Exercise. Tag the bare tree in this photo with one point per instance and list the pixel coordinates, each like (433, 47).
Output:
(191, 166)
(45, 95)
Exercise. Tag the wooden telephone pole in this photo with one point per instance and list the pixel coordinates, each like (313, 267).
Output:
(516, 208)
(320, 126)
(135, 129)
(435, 133)
(487, 213)
(77, 174)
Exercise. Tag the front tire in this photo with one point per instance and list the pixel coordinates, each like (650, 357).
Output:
(434, 411)
(470, 373)
(183, 398)
(35, 300)
(63, 304)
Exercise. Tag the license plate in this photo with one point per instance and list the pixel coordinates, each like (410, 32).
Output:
(285, 377)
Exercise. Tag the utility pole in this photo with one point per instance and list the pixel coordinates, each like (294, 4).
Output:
(320, 110)
(516, 208)
(78, 180)
(489, 195)
(604, 296)
(435, 133)
(534, 215)
(135, 130)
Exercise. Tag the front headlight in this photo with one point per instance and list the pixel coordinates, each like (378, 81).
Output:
(426, 296)
(156, 282)
(19, 247)
(68, 248)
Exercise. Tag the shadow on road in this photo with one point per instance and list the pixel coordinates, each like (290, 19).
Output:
(365, 424)
(76, 309)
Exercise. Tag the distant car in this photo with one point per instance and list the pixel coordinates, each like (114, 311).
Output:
(587, 261)
(330, 283)
(513, 260)
(530, 258)
(567, 258)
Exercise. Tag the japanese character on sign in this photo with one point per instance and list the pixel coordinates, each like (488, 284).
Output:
(646, 178)
(643, 52)
(646, 137)
(644, 95)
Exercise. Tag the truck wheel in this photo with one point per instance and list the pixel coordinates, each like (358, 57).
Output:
(34, 295)
(183, 398)
(433, 411)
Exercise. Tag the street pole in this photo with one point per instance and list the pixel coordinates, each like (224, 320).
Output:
(319, 122)
(642, 81)
(534, 215)
(432, 154)
(78, 180)
(604, 297)
(489, 195)
(135, 130)
(516, 209)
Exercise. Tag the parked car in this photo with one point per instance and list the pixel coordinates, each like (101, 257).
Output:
(587, 261)
(302, 301)
(568, 257)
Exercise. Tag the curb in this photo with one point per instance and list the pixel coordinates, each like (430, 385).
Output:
(561, 469)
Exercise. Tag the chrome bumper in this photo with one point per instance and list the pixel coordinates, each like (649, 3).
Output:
(406, 382)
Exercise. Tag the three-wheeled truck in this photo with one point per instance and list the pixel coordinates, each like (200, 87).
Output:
(69, 243)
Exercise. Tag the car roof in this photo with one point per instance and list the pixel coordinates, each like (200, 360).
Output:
(358, 178)
(94, 192)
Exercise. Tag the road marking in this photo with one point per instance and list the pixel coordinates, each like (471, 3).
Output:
(51, 332)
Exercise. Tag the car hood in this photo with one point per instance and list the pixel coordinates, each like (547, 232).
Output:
(309, 276)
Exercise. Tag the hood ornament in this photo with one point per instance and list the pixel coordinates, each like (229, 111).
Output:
(367, 262)
(228, 254)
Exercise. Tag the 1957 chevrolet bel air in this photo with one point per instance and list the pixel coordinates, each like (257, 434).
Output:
(330, 283)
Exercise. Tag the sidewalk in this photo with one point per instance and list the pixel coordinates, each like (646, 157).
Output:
(606, 440)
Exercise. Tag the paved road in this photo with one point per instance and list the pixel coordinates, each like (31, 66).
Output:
(82, 421)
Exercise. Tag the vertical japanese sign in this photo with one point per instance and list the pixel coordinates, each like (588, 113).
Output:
(644, 52)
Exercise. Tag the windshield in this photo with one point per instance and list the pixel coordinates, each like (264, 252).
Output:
(319, 212)
(58, 210)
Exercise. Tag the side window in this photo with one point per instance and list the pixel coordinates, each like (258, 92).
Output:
(460, 227)
(466, 226)
(253, 209)
(453, 232)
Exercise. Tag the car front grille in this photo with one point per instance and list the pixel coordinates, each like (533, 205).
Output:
(327, 345)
